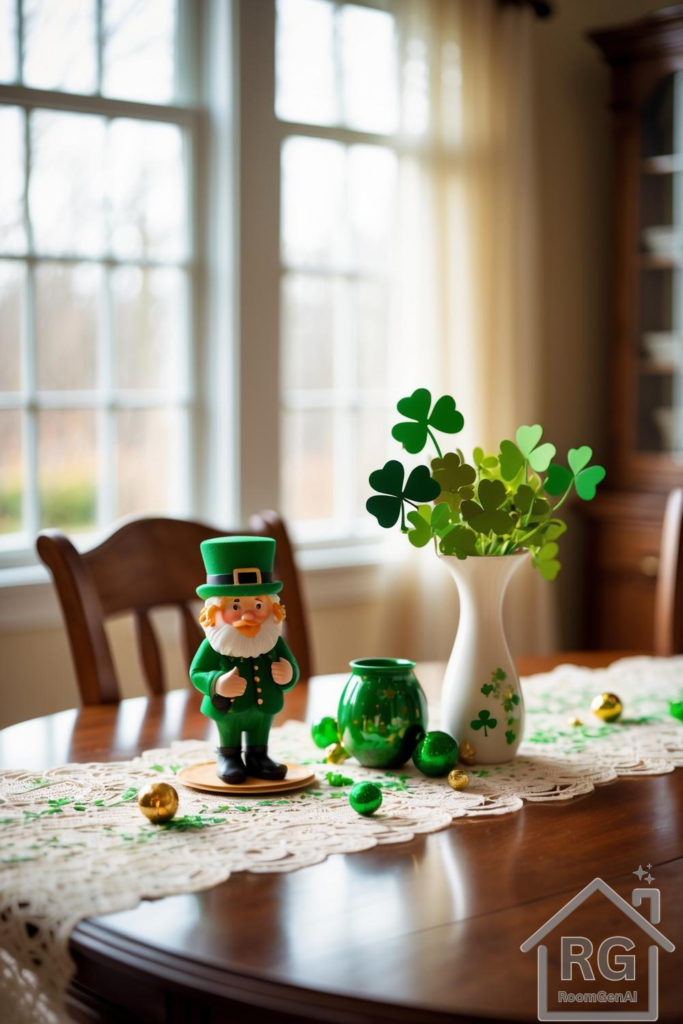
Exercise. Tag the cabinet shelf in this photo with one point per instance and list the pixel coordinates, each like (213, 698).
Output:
(662, 164)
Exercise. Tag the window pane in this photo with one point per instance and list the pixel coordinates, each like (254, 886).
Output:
(307, 331)
(149, 327)
(312, 202)
(12, 278)
(147, 190)
(67, 311)
(372, 449)
(305, 83)
(369, 69)
(139, 50)
(11, 475)
(67, 468)
(12, 234)
(307, 468)
(145, 452)
(60, 45)
(65, 191)
(8, 40)
(372, 173)
(372, 330)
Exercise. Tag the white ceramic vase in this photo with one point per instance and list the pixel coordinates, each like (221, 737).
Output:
(482, 700)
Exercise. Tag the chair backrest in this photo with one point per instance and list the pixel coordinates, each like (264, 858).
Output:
(145, 564)
(669, 592)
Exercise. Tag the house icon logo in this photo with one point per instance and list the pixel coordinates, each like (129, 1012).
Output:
(577, 951)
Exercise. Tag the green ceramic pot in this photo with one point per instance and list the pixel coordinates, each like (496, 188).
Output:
(382, 712)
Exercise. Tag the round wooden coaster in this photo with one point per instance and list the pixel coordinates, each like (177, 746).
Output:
(203, 777)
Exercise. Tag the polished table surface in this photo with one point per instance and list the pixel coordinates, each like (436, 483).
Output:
(428, 930)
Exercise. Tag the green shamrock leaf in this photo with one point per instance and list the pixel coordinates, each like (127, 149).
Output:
(586, 478)
(534, 507)
(547, 563)
(441, 519)
(428, 521)
(444, 417)
(511, 460)
(484, 461)
(484, 721)
(455, 478)
(485, 515)
(510, 736)
(460, 541)
(387, 505)
(420, 486)
(451, 473)
(538, 456)
(558, 479)
(421, 519)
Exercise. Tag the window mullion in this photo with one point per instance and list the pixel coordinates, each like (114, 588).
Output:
(31, 513)
(107, 475)
(99, 28)
(20, 40)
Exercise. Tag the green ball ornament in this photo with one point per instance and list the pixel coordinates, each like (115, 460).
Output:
(676, 709)
(436, 754)
(324, 732)
(365, 798)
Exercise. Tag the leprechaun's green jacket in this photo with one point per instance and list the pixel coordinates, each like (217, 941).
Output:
(262, 691)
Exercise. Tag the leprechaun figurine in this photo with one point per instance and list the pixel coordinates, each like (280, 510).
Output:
(244, 666)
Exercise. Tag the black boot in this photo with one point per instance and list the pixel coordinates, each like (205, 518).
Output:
(260, 766)
(229, 766)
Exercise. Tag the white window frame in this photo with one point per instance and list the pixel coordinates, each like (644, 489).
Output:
(204, 112)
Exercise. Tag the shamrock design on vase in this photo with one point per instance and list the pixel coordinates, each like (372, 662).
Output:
(482, 699)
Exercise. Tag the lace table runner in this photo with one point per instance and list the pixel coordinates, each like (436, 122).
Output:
(73, 843)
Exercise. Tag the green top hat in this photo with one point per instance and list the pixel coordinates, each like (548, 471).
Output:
(238, 566)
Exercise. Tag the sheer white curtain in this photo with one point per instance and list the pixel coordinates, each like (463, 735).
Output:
(466, 301)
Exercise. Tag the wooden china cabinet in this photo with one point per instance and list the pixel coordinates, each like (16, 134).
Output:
(645, 456)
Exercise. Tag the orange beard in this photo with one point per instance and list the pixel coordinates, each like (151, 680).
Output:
(247, 627)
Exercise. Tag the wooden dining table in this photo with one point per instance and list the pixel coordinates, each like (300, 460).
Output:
(428, 930)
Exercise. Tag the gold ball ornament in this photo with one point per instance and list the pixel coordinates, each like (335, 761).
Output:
(458, 779)
(607, 706)
(335, 754)
(158, 802)
(467, 753)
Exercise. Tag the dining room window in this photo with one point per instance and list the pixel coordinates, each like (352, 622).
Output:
(96, 263)
(341, 118)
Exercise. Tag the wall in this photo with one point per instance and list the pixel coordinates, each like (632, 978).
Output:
(37, 676)
(575, 174)
(574, 162)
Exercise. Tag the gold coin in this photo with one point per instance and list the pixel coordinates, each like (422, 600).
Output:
(158, 802)
(335, 754)
(467, 753)
(457, 779)
(607, 706)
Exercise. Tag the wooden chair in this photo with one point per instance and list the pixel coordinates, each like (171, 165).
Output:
(668, 624)
(669, 592)
(145, 564)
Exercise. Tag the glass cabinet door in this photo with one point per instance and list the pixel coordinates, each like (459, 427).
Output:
(659, 383)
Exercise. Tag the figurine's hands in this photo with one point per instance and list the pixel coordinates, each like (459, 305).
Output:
(231, 684)
(282, 672)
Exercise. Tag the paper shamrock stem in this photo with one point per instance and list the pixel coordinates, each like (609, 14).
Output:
(498, 506)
